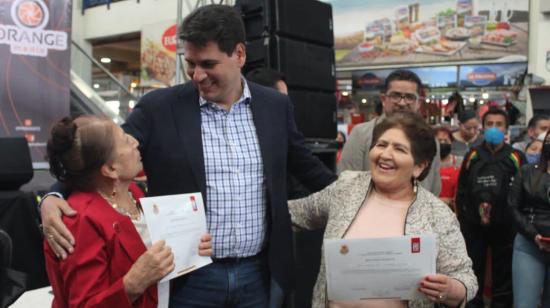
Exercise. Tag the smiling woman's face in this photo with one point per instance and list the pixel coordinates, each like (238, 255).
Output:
(391, 161)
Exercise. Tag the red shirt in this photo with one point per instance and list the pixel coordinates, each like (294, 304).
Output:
(449, 181)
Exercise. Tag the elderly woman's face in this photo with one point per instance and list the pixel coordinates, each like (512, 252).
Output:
(127, 159)
(391, 161)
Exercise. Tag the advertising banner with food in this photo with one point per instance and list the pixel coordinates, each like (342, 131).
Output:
(372, 32)
(158, 54)
(35, 61)
(433, 77)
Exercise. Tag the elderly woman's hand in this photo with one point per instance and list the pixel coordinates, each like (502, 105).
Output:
(149, 268)
(442, 289)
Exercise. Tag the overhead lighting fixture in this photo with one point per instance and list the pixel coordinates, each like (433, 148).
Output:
(471, 99)
(131, 103)
(105, 60)
(364, 101)
(485, 95)
(428, 100)
(96, 85)
(345, 93)
(444, 102)
(481, 102)
(133, 85)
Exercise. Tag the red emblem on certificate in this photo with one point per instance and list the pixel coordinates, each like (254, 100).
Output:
(193, 203)
(415, 245)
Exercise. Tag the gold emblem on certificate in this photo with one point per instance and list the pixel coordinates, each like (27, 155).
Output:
(344, 249)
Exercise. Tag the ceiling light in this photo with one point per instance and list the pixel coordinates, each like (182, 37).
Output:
(472, 99)
(485, 95)
(444, 102)
(105, 60)
(131, 103)
(428, 100)
(345, 93)
(96, 85)
(481, 102)
(114, 106)
(364, 101)
(133, 85)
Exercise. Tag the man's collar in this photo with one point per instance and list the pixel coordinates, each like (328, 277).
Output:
(245, 96)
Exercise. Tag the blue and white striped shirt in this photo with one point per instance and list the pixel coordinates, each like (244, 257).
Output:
(235, 186)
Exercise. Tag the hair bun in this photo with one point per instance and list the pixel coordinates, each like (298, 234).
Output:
(63, 136)
(61, 141)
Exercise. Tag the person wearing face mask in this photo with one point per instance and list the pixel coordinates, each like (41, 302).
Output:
(534, 148)
(529, 200)
(341, 140)
(449, 170)
(483, 185)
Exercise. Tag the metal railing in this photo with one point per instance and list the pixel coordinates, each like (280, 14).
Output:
(116, 96)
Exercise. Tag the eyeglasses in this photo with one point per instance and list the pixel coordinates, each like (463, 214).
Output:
(396, 97)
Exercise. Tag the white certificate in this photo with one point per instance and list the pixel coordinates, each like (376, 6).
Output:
(180, 221)
(378, 268)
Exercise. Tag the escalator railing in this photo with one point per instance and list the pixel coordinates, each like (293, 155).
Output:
(114, 102)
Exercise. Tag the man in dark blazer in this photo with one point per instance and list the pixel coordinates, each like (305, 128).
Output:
(234, 141)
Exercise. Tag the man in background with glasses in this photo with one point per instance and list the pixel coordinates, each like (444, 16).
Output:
(401, 92)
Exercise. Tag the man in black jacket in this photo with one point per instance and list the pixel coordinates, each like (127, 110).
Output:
(483, 185)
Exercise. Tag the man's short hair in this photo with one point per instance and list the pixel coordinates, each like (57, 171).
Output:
(265, 77)
(216, 23)
(403, 75)
(466, 115)
(536, 119)
(496, 111)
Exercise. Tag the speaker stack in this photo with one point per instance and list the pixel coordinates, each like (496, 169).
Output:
(295, 37)
(279, 37)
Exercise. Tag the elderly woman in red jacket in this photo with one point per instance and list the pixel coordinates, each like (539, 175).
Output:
(112, 266)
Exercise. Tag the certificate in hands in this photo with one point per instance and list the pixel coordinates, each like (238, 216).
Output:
(378, 268)
(180, 221)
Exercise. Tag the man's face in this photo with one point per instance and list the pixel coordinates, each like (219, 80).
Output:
(402, 95)
(216, 75)
(541, 127)
(469, 128)
(281, 87)
(496, 120)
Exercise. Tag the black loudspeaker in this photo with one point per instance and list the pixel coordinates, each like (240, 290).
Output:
(286, 18)
(540, 100)
(15, 163)
(305, 65)
(315, 113)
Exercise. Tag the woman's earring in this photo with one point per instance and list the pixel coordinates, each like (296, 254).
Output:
(415, 185)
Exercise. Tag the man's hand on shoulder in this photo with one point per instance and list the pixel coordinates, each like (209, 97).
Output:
(59, 238)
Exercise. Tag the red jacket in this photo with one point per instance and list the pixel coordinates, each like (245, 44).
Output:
(107, 245)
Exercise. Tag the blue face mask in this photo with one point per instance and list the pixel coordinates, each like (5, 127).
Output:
(533, 158)
(493, 136)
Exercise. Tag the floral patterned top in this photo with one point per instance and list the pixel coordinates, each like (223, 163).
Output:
(336, 206)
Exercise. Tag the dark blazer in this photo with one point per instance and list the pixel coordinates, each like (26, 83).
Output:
(167, 124)
(107, 245)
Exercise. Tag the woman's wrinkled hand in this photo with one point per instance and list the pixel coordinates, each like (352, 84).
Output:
(149, 268)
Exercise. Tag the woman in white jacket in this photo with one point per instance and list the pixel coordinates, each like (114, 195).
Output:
(387, 202)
